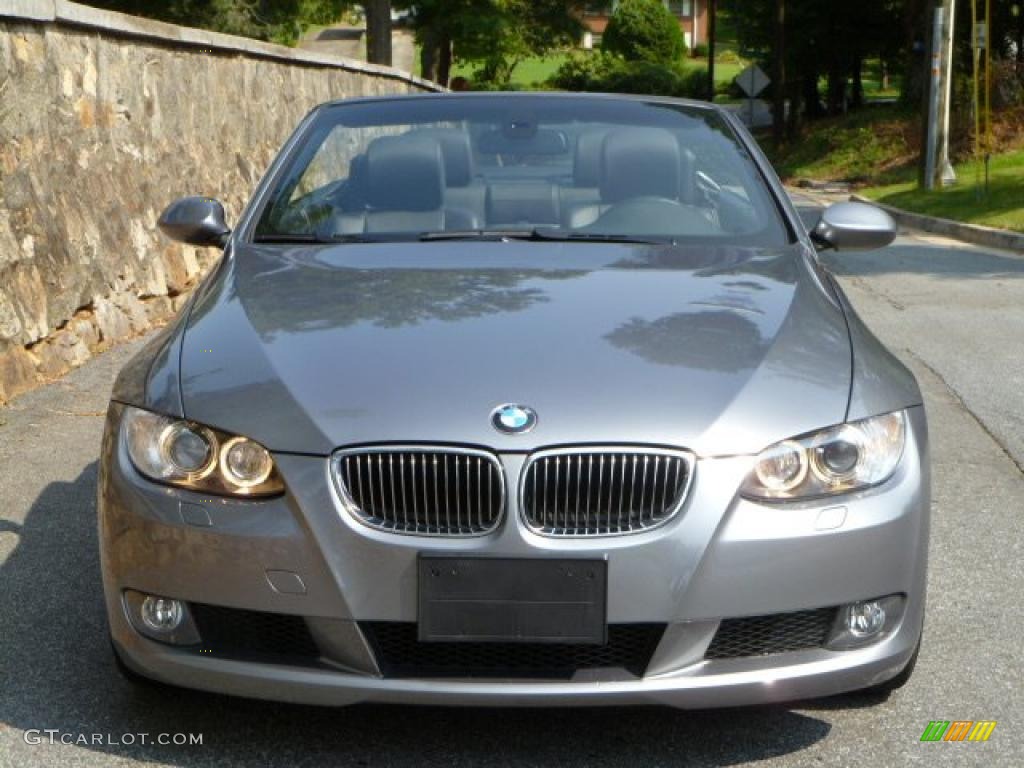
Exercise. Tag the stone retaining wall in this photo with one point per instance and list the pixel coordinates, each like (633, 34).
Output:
(104, 119)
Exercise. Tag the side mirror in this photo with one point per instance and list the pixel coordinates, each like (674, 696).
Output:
(196, 221)
(854, 227)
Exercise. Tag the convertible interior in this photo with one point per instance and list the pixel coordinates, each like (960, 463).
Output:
(588, 179)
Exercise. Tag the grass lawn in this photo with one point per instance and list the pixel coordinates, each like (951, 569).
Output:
(876, 149)
(532, 71)
(1003, 207)
(535, 71)
(528, 73)
(725, 71)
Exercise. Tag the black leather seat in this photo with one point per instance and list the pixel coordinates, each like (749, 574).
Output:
(634, 162)
(463, 190)
(586, 172)
(405, 190)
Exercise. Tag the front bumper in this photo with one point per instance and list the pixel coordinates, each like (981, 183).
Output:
(721, 557)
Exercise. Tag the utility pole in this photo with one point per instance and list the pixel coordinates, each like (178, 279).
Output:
(947, 174)
(937, 170)
(779, 75)
(936, 94)
(712, 8)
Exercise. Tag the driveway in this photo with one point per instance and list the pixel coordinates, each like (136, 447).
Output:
(955, 314)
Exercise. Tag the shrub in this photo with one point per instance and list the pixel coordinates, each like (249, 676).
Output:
(644, 30)
(701, 50)
(642, 77)
(693, 84)
(1007, 84)
(585, 71)
(605, 73)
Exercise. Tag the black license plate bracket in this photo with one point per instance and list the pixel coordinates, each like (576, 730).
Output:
(512, 600)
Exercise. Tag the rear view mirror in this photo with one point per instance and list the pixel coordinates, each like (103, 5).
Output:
(854, 227)
(544, 141)
(196, 221)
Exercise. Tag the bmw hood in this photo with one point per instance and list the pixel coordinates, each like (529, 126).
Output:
(719, 350)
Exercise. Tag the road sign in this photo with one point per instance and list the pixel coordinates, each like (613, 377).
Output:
(752, 81)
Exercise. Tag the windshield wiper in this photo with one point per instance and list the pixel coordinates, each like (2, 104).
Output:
(540, 234)
(598, 237)
(358, 237)
(286, 237)
(476, 234)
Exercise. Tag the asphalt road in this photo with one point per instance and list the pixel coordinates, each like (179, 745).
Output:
(955, 314)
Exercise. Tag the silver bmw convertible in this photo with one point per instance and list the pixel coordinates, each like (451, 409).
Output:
(517, 399)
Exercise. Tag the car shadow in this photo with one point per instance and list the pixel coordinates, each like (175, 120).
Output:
(57, 673)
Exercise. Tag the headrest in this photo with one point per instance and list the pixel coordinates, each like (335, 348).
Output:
(586, 165)
(456, 151)
(639, 162)
(405, 173)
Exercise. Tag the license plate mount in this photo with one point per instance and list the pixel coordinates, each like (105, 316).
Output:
(512, 600)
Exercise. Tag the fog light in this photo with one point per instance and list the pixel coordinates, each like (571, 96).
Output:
(161, 614)
(160, 618)
(864, 620)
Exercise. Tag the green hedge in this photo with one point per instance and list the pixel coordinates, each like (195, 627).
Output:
(644, 30)
(606, 73)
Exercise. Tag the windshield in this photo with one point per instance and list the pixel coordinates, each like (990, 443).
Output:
(513, 166)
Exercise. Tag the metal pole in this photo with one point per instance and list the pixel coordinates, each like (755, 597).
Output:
(934, 95)
(779, 75)
(711, 10)
(988, 76)
(988, 89)
(975, 51)
(947, 173)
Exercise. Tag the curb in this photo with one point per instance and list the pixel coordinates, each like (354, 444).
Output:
(989, 237)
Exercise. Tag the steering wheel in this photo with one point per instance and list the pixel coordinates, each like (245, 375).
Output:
(650, 215)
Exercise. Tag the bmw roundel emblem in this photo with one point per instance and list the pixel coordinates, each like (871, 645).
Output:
(513, 419)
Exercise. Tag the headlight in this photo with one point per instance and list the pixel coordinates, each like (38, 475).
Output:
(836, 460)
(190, 455)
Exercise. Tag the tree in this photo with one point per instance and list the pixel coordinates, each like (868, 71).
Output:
(644, 30)
(378, 31)
(497, 34)
(822, 40)
(279, 21)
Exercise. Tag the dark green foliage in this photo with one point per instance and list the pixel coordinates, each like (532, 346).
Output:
(585, 72)
(645, 77)
(827, 42)
(496, 34)
(604, 73)
(279, 21)
(644, 30)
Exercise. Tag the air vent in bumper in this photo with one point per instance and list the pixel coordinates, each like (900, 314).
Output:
(240, 633)
(400, 654)
(775, 633)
